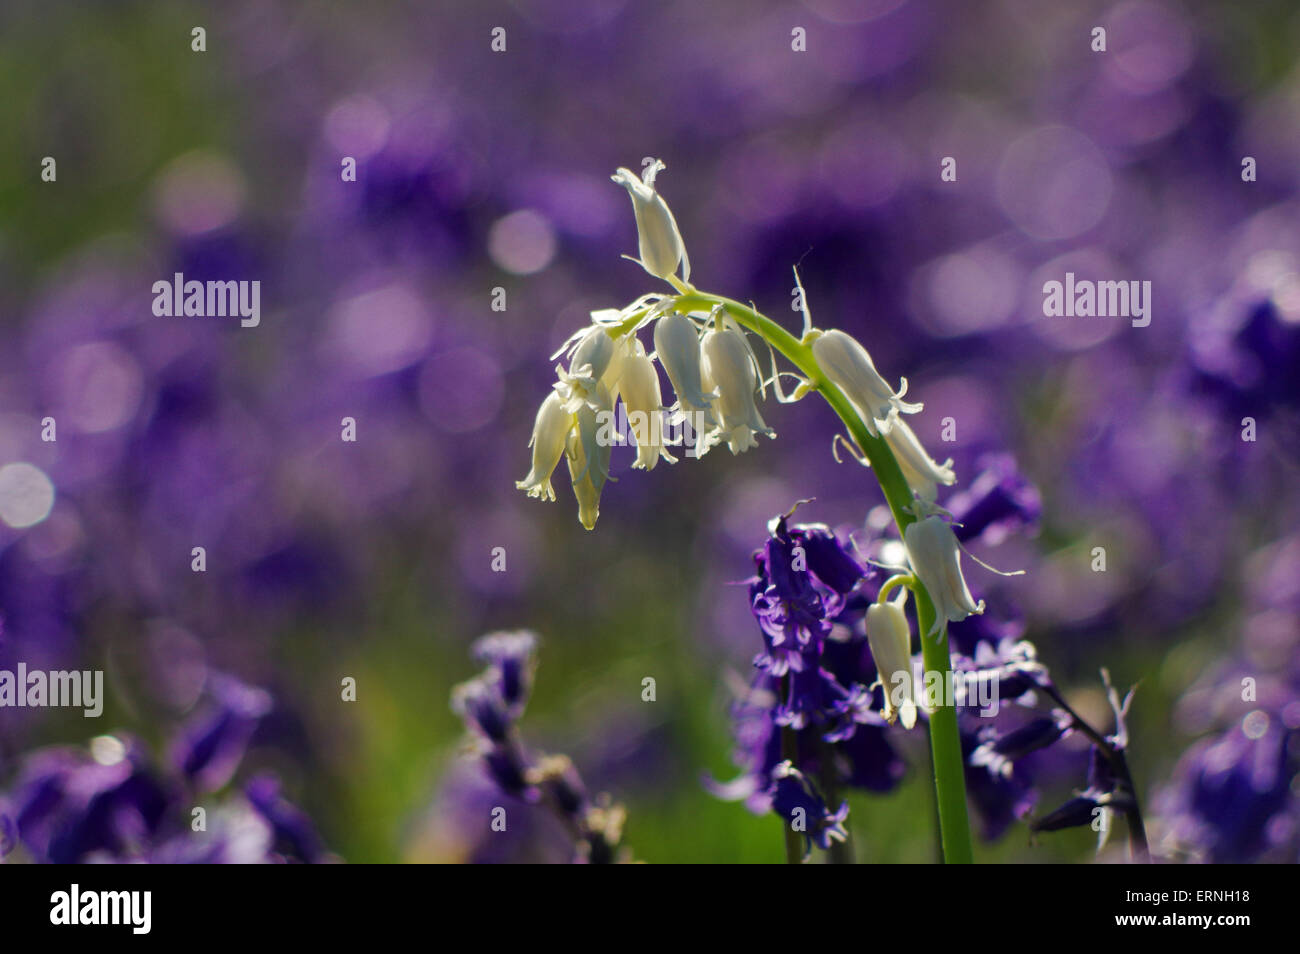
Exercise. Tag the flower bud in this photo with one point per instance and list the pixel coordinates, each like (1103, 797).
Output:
(922, 473)
(890, 639)
(729, 369)
(849, 367)
(659, 240)
(549, 432)
(935, 557)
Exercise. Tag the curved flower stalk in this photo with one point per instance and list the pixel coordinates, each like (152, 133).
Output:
(700, 338)
(491, 705)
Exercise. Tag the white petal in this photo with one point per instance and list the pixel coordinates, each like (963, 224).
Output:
(919, 468)
(890, 637)
(935, 558)
(550, 430)
(659, 241)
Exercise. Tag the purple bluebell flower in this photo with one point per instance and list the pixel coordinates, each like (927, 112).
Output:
(479, 703)
(814, 678)
(491, 704)
(111, 802)
(70, 807)
(999, 501)
(212, 745)
(1009, 668)
(1231, 799)
(1078, 811)
(798, 804)
(998, 751)
(511, 657)
(294, 835)
(1000, 800)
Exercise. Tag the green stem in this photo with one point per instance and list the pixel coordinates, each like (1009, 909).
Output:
(945, 742)
(902, 579)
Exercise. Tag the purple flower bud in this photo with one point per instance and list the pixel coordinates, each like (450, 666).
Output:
(211, 746)
(999, 501)
(479, 703)
(797, 804)
(294, 836)
(506, 768)
(511, 657)
(1077, 812)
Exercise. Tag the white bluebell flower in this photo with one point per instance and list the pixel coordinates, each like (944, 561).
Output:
(921, 471)
(639, 385)
(935, 557)
(890, 638)
(729, 369)
(850, 368)
(677, 346)
(550, 431)
(659, 240)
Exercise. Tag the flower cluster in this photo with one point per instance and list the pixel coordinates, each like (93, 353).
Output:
(837, 680)
(813, 678)
(713, 370)
(491, 705)
(109, 801)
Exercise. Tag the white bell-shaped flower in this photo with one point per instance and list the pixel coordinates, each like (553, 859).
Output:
(588, 454)
(659, 240)
(919, 468)
(550, 430)
(677, 345)
(890, 639)
(639, 385)
(589, 364)
(728, 368)
(848, 365)
(935, 557)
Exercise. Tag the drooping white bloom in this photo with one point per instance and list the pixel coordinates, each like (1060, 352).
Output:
(935, 557)
(550, 431)
(588, 366)
(612, 379)
(677, 345)
(588, 455)
(890, 639)
(639, 385)
(919, 468)
(659, 240)
(728, 369)
(849, 367)
(593, 354)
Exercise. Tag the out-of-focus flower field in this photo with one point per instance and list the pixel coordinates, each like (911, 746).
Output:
(484, 176)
